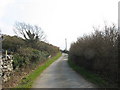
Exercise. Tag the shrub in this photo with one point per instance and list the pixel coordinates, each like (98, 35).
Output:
(18, 61)
(98, 53)
(27, 56)
(12, 43)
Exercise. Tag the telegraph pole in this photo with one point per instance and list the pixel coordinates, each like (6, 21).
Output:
(65, 44)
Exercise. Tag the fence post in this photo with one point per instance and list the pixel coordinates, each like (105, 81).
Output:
(6, 54)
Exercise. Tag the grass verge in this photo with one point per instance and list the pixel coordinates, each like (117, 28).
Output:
(94, 78)
(28, 80)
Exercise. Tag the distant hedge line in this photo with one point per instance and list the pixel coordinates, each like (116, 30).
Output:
(98, 53)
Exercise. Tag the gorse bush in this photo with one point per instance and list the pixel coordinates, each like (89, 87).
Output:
(27, 56)
(17, 61)
(49, 48)
(12, 43)
(98, 53)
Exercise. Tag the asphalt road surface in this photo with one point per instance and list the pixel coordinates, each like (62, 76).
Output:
(60, 75)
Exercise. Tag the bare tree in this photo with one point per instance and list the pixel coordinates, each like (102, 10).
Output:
(31, 33)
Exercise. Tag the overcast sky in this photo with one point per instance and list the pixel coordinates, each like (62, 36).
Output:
(59, 19)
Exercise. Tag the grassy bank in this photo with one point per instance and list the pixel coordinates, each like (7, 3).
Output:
(28, 80)
(97, 80)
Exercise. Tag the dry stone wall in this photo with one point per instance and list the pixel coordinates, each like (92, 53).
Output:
(7, 67)
(0, 71)
(0, 60)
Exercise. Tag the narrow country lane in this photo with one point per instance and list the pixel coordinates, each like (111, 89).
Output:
(60, 75)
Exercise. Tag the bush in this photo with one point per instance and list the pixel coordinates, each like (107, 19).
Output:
(98, 53)
(47, 48)
(18, 61)
(27, 56)
(12, 43)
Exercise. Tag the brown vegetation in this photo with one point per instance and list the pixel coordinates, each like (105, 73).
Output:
(98, 53)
